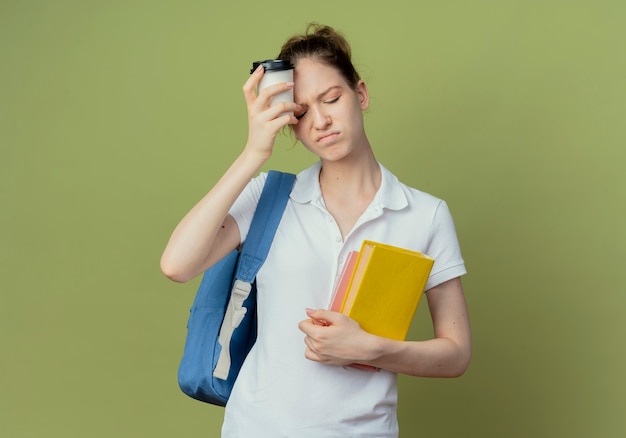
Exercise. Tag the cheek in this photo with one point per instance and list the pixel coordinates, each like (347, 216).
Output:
(300, 134)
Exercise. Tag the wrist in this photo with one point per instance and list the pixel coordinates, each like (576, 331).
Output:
(251, 161)
(254, 158)
(374, 349)
(380, 350)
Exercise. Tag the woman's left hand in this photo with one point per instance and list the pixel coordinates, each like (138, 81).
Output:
(335, 339)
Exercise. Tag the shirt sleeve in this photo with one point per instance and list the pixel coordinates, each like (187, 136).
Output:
(444, 247)
(244, 207)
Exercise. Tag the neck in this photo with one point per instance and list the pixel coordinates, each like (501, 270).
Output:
(356, 175)
(349, 186)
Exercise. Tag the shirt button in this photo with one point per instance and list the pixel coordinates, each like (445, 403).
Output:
(338, 239)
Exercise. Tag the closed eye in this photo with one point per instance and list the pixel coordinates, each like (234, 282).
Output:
(329, 101)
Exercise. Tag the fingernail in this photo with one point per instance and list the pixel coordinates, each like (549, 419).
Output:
(291, 84)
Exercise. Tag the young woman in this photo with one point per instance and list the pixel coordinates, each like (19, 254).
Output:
(295, 381)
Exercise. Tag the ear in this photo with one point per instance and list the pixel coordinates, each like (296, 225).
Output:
(362, 95)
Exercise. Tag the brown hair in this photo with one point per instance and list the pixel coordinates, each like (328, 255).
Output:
(323, 44)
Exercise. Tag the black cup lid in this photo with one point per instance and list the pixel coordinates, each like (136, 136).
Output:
(272, 65)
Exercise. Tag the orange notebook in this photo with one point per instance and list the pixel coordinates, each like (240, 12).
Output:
(385, 289)
(344, 281)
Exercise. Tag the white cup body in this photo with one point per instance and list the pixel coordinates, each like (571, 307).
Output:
(272, 77)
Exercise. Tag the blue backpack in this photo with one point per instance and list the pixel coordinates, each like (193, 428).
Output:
(222, 323)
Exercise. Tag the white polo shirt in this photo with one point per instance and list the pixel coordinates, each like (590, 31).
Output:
(280, 393)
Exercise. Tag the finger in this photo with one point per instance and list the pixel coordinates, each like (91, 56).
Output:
(267, 93)
(320, 322)
(314, 320)
(309, 354)
(327, 316)
(275, 118)
(250, 85)
(307, 326)
(310, 312)
(281, 114)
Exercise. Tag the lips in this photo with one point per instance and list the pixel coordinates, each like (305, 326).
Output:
(327, 136)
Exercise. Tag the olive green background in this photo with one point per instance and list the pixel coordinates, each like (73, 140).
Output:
(116, 116)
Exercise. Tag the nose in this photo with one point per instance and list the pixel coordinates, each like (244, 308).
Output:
(321, 119)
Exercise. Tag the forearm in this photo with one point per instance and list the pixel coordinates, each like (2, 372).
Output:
(191, 248)
(439, 357)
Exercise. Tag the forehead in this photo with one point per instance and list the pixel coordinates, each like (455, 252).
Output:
(313, 77)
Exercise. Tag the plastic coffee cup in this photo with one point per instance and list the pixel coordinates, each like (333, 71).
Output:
(276, 70)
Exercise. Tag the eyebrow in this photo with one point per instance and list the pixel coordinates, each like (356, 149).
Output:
(328, 90)
(323, 93)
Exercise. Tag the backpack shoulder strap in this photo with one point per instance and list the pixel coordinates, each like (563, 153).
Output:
(265, 222)
(266, 218)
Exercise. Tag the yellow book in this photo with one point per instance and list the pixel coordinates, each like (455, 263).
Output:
(385, 289)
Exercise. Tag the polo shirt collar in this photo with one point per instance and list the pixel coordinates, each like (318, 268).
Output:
(390, 194)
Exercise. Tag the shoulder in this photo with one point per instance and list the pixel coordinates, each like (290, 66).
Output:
(399, 196)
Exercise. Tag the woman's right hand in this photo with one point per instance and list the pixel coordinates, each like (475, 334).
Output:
(264, 121)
